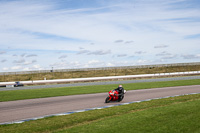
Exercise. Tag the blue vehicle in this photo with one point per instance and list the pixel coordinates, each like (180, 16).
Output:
(17, 84)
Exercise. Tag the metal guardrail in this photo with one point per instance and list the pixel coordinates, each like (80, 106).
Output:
(101, 78)
(100, 68)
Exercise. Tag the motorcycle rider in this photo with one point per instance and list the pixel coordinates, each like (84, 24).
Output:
(120, 90)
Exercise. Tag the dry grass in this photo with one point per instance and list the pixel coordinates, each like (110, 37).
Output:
(97, 73)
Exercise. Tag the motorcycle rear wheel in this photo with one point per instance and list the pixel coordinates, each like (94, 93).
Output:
(120, 99)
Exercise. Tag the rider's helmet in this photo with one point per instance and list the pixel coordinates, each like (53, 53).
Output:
(120, 86)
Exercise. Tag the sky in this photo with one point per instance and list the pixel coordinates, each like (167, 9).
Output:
(69, 34)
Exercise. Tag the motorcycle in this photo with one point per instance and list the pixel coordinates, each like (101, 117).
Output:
(114, 96)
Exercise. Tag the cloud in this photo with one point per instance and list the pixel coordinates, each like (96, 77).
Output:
(21, 68)
(132, 56)
(166, 55)
(83, 52)
(122, 55)
(94, 62)
(34, 67)
(97, 52)
(22, 55)
(88, 64)
(5, 69)
(66, 65)
(190, 56)
(118, 41)
(127, 42)
(121, 41)
(24, 62)
(37, 66)
(31, 55)
(34, 61)
(29, 62)
(63, 56)
(19, 61)
(161, 46)
(110, 64)
(16, 68)
(140, 52)
(172, 56)
(141, 62)
(100, 52)
(2, 61)
(2, 52)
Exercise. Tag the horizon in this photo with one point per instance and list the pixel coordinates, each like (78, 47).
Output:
(136, 66)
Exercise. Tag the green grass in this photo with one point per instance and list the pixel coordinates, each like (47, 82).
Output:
(171, 115)
(180, 117)
(64, 91)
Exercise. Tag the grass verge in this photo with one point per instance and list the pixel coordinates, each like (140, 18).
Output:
(177, 114)
(64, 91)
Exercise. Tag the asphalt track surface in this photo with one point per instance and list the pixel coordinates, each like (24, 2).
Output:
(26, 109)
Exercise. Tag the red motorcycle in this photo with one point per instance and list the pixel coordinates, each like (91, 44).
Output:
(114, 96)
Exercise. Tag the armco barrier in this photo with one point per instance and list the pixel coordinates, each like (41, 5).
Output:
(100, 78)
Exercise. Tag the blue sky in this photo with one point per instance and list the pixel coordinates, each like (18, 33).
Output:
(64, 34)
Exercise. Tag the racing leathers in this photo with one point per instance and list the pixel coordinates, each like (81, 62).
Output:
(121, 92)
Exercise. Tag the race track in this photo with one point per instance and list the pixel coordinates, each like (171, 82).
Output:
(25, 109)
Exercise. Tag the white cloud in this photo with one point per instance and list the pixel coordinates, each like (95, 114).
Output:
(94, 62)
(19, 61)
(27, 69)
(127, 42)
(2, 52)
(164, 53)
(83, 52)
(29, 62)
(22, 55)
(140, 52)
(119, 41)
(122, 55)
(62, 56)
(191, 56)
(161, 46)
(110, 65)
(31, 55)
(99, 52)
(2, 61)
(142, 62)
(16, 68)
(5, 69)
(37, 66)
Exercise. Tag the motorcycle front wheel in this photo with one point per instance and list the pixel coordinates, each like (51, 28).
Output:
(107, 100)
